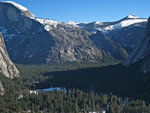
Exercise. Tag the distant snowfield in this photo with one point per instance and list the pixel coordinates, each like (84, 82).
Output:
(98, 112)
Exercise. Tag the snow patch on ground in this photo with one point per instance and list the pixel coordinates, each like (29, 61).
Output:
(53, 89)
(33, 92)
(97, 112)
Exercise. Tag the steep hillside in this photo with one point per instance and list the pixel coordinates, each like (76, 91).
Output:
(128, 32)
(32, 40)
(103, 42)
(7, 68)
(142, 53)
(72, 43)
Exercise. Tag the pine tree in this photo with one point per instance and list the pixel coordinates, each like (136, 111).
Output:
(32, 108)
(76, 108)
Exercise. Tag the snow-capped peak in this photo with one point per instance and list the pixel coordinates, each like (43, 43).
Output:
(122, 24)
(132, 16)
(17, 5)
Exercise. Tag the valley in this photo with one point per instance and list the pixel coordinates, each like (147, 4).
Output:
(49, 66)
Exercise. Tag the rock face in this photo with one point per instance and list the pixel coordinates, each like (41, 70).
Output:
(32, 40)
(1, 89)
(142, 52)
(7, 68)
(103, 42)
(72, 44)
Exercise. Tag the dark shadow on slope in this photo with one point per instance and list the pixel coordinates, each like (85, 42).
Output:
(122, 81)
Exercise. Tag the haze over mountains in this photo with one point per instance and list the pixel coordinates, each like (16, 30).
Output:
(31, 40)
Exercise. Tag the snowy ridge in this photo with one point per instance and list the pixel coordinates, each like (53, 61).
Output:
(52, 24)
(132, 16)
(98, 23)
(17, 5)
(124, 23)
(73, 23)
(48, 23)
(106, 27)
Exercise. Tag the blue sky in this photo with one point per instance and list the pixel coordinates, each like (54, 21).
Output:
(86, 10)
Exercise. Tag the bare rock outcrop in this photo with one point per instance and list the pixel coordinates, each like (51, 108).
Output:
(1, 89)
(7, 68)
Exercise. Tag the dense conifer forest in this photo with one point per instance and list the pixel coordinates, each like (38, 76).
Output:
(114, 89)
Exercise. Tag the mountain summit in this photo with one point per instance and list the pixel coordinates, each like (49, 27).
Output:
(132, 16)
(21, 8)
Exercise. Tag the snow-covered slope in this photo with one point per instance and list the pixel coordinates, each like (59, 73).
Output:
(132, 16)
(73, 23)
(48, 23)
(106, 27)
(52, 24)
(124, 23)
(22, 8)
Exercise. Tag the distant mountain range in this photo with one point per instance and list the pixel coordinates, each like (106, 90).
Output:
(128, 32)
(31, 40)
